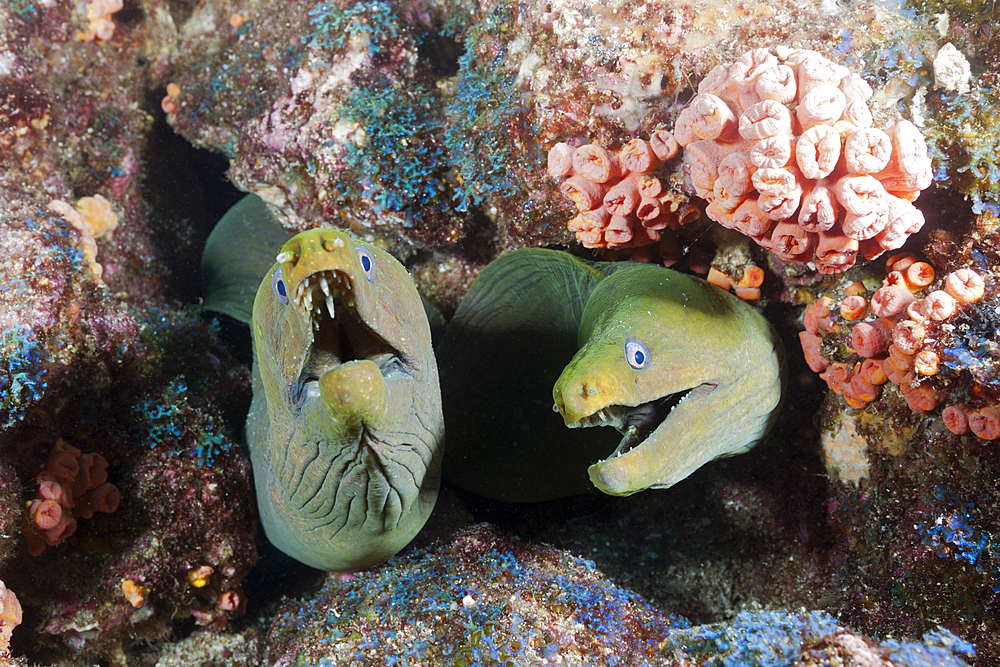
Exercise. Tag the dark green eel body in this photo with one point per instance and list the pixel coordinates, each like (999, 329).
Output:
(345, 430)
(544, 340)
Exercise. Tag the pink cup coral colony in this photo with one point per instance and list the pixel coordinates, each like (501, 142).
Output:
(622, 201)
(783, 149)
(900, 333)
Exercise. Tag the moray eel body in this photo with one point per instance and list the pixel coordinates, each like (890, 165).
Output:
(345, 429)
(684, 371)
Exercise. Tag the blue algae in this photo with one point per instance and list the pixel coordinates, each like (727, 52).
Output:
(765, 638)
(846, 44)
(22, 368)
(399, 163)
(334, 26)
(60, 232)
(779, 638)
(939, 647)
(24, 10)
(166, 419)
(959, 358)
(971, 344)
(488, 112)
(955, 532)
(898, 58)
(491, 133)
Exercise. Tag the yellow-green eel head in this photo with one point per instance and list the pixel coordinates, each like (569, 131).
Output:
(345, 430)
(686, 372)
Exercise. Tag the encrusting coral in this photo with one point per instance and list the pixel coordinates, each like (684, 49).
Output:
(73, 481)
(783, 149)
(94, 218)
(100, 26)
(622, 198)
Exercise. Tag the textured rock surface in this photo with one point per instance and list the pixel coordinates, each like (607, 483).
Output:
(485, 598)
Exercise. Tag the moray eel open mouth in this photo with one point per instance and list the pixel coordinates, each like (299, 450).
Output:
(684, 371)
(338, 331)
(345, 429)
(635, 423)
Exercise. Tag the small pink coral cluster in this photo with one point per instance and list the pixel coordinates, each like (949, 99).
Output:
(622, 202)
(228, 600)
(783, 149)
(71, 485)
(10, 617)
(100, 24)
(897, 342)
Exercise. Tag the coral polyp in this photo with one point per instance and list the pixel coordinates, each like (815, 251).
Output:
(624, 197)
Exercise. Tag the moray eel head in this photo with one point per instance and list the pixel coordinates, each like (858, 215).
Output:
(345, 429)
(589, 399)
(684, 372)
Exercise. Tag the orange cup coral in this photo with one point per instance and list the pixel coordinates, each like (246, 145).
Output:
(620, 198)
(72, 485)
(904, 343)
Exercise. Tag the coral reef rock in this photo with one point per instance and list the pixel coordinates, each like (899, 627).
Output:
(487, 598)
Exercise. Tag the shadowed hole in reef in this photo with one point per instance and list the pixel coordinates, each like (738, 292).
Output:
(188, 192)
(441, 52)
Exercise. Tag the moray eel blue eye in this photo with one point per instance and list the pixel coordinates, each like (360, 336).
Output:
(367, 263)
(636, 354)
(278, 287)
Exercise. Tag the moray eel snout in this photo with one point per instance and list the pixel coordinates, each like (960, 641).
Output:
(345, 430)
(583, 407)
(347, 359)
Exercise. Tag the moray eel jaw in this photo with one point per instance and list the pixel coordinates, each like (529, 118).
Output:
(345, 360)
(635, 422)
(637, 462)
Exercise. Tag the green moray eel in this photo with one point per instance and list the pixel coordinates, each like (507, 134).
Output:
(685, 372)
(345, 429)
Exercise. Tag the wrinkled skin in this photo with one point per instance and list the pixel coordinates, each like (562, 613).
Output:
(345, 430)
(540, 326)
